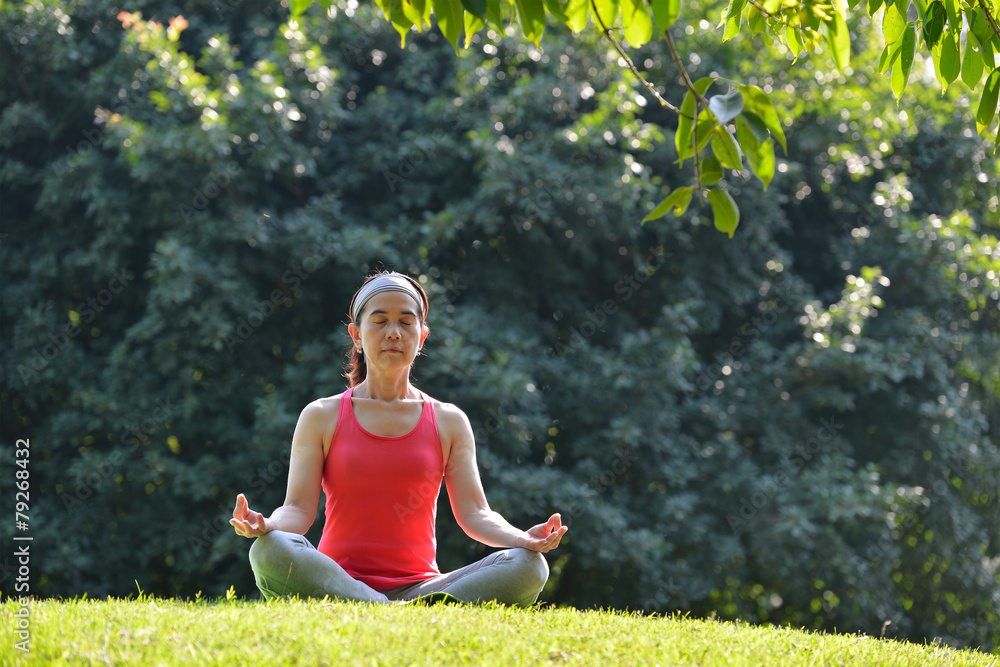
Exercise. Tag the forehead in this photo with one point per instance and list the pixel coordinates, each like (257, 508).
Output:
(392, 302)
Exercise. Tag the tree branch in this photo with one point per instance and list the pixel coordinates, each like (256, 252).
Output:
(680, 66)
(989, 17)
(618, 47)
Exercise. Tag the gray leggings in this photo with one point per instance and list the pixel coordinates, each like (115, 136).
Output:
(286, 564)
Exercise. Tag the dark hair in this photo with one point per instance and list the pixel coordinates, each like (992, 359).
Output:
(356, 370)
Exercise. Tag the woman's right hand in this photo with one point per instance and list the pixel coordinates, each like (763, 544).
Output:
(247, 522)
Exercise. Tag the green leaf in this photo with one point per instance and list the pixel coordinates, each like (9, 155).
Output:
(894, 21)
(934, 23)
(726, 107)
(839, 38)
(679, 200)
(475, 7)
(794, 41)
(972, 65)
(299, 6)
(473, 24)
(637, 22)
(981, 28)
(735, 8)
(417, 11)
(399, 20)
(757, 101)
(449, 15)
(953, 8)
(711, 170)
(725, 211)
(873, 6)
(988, 102)
(901, 70)
(765, 162)
(685, 121)
(755, 124)
(725, 148)
(606, 12)
(576, 14)
(948, 60)
(986, 50)
(703, 132)
(732, 28)
(665, 12)
(888, 58)
(531, 15)
(759, 151)
(493, 13)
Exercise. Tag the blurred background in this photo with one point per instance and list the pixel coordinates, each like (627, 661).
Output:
(796, 426)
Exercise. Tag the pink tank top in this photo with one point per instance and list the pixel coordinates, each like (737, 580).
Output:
(381, 500)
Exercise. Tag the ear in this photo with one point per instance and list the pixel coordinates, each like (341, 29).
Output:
(354, 332)
(423, 335)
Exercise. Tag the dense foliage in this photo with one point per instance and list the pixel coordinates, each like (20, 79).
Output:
(959, 37)
(796, 425)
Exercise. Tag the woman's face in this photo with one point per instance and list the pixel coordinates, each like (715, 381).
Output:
(389, 330)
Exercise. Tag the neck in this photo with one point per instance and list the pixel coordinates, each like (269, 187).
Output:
(381, 388)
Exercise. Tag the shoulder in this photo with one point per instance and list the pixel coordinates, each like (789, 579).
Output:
(328, 406)
(321, 415)
(319, 418)
(451, 419)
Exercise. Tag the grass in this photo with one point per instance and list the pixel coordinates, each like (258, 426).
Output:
(152, 631)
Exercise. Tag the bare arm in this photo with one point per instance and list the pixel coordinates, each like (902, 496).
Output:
(305, 471)
(468, 500)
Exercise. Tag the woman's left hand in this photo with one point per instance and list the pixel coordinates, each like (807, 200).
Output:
(545, 536)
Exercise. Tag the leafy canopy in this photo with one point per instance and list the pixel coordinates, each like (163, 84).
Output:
(736, 128)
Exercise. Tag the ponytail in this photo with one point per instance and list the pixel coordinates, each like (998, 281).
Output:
(355, 370)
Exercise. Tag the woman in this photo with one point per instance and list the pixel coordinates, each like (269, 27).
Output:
(379, 452)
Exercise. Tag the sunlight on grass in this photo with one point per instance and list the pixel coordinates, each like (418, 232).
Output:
(225, 632)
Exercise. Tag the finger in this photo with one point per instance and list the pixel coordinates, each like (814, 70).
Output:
(241, 505)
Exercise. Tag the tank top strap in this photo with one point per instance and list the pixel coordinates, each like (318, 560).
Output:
(427, 415)
(346, 407)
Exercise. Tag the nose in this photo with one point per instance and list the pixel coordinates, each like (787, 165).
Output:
(392, 332)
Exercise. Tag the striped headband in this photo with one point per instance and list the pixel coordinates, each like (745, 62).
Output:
(386, 282)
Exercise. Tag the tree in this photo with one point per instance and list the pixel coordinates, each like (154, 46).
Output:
(795, 425)
(740, 122)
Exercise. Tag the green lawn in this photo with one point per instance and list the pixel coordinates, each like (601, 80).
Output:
(171, 632)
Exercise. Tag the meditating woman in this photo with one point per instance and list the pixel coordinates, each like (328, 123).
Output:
(379, 452)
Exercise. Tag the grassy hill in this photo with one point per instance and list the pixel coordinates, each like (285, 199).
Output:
(171, 632)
